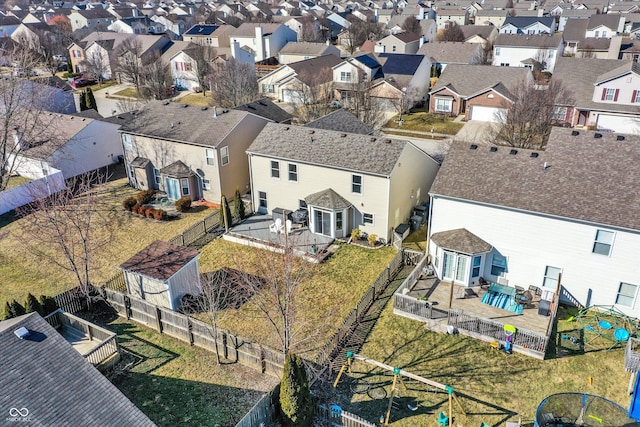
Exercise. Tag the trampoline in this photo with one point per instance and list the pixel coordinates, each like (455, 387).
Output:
(580, 409)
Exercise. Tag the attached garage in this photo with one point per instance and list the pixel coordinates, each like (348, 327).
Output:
(291, 96)
(618, 123)
(488, 114)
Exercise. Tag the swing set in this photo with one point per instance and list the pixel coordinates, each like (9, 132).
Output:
(398, 381)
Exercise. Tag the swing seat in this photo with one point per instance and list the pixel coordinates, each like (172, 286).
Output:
(443, 420)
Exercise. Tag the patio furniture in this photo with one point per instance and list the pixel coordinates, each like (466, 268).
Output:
(288, 225)
(502, 296)
(276, 227)
(300, 216)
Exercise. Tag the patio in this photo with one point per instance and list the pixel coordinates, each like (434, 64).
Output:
(255, 231)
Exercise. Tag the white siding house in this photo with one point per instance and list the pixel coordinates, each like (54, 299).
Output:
(521, 50)
(539, 218)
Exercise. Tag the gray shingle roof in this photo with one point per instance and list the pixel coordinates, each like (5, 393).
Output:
(177, 169)
(632, 67)
(587, 178)
(327, 199)
(190, 124)
(341, 121)
(467, 80)
(461, 240)
(55, 383)
(450, 52)
(483, 31)
(528, 40)
(140, 162)
(329, 148)
(525, 21)
(249, 29)
(303, 48)
(160, 260)
(266, 108)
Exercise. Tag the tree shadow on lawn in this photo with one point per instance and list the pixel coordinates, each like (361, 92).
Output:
(145, 356)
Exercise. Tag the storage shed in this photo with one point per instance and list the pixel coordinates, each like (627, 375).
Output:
(162, 273)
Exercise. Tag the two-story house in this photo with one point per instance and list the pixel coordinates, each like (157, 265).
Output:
(446, 17)
(536, 218)
(97, 17)
(444, 53)
(299, 51)
(539, 51)
(495, 17)
(345, 180)
(606, 94)
(189, 151)
(584, 36)
(528, 25)
(399, 43)
(263, 40)
(360, 68)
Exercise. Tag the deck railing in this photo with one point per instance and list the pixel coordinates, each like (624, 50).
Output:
(404, 304)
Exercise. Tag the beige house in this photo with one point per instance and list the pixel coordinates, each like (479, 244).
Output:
(162, 273)
(345, 180)
(182, 150)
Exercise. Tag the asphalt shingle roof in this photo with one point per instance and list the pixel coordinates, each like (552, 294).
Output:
(461, 240)
(587, 178)
(467, 80)
(450, 52)
(342, 121)
(528, 40)
(329, 148)
(303, 48)
(46, 375)
(201, 30)
(179, 122)
(327, 199)
(160, 260)
(266, 108)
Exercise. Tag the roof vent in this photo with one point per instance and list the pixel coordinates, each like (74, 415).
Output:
(534, 155)
(546, 166)
(22, 332)
(204, 108)
(513, 152)
(597, 135)
(262, 103)
(387, 141)
(493, 149)
(215, 112)
(165, 103)
(287, 128)
(620, 138)
(311, 132)
(224, 110)
(185, 105)
(172, 125)
(473, 147)
(343, 135)
(373, 139)
(575, 133)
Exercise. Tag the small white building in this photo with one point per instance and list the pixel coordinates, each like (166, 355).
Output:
(162, 273)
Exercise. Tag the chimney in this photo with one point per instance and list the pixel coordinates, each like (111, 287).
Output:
(215, 112)
(260, 53)
(235, 49)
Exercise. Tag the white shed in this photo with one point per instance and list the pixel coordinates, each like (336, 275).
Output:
(162, 273)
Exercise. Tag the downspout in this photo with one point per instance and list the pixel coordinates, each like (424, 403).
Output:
(429, 229)
(253, 202)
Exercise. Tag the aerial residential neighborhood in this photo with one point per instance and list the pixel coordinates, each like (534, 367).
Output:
(320, 213)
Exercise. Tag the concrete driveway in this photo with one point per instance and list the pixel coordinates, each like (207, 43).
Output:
(478, 132)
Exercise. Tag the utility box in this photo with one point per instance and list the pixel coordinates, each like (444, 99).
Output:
(423, 212)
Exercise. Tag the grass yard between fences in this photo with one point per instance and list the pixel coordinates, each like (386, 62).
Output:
(22, 272)
(426, 122)
(492, 386)
(175, 384)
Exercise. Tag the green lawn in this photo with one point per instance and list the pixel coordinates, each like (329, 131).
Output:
(22, 271)
(197, 99)
(16, 181)
(493, 387)
(176, 384)
(426, 122)
(129, 92)
(323, 301)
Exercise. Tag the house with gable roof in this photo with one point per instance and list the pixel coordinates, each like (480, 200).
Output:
(399, 43)
(186, 151)
(263, 40)
(528, 25)
(606, 94)
(536, 214)
(90, 18)
(444, 53)
(344, 180)
(299, 51)
(480, 92)
(538, 51)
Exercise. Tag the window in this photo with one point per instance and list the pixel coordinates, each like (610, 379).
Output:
(560, 113)
(444, 105)
(184, 185)
(126, 141)
(262, 199)
(597, 33)
(275, 169)
(603, 242)
(302, 204)
(338, 220)
(551, 276)
(498, 265)
(156, 176)
(206, 184)
(224, 155)
(345, 76)
(461, 269)
(393, 48)
(447, 265)
(626, 294)
(436, 259)
(604, 33)
(209, 153)
(608, 94)
(504, 64)
(497, 51)
(293, 172)
(367, 218)
(267, 88)
(132, 172)
(635, 98)
(356, 184)
(475, 266)
(551, 54)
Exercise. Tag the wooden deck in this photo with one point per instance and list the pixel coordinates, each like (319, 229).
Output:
(438, 293)
(78, 340)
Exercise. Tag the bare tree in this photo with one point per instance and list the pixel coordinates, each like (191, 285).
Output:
(403, 103)
(412, 25)
(312, 94)
(234, 83)
(157, 79)
(97, 64)
(203, 67)
(363, 105)
(74, 222)
(530, 116)
(452, 33)
(360, 31)
(129, 63)
(311, 31)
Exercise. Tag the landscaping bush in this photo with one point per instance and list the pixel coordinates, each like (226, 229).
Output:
(33, 305)
(129, 203)
(49, 305)
(183, 204)
(296, 405)
(159, 214)
(238, 205)
(355, 234)
(136, 208)
(145, 196)
(372, 239)
(150, 212)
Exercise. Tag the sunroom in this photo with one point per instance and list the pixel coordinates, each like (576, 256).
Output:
(459, 256)
(328, 213)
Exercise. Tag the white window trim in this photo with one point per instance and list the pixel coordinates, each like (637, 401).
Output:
(188, 187)
(606, 94)
(595, 240)
(289, 172)
(635, 295)
(206, 184)
(210, 156)
(447, 101)
(224, 153)
(272, 169)
(373, 219)
(361, 184)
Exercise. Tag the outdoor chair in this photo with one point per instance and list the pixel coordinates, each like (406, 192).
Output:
(288, 225)
(276, 227)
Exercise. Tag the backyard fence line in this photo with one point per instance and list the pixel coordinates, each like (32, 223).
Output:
(70, 301)
(339, 418)
(201, 228)
(195, 332)
(263, 412)
(355, 316)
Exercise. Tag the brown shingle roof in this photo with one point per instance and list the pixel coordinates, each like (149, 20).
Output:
(528, 40)
(586, 179)
(461, 240)
(467, 80)
(450, 52)
(160, 260)
(327, 199)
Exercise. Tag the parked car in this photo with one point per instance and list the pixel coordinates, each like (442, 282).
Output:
(81, 82)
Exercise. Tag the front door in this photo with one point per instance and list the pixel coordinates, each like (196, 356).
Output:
(173, 189)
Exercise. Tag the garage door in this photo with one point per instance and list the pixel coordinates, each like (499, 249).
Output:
(622, 124)
(291, 96)
(488, 114)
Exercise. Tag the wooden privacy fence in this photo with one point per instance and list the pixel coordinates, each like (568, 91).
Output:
(197, 230)
(198, 333)
(533, 341)
(336, 417)
(340, 337)
(263, 412)
(71, 301)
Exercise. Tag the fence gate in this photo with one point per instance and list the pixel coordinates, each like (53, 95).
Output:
(411, 257)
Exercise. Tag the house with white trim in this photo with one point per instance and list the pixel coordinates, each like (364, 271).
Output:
(531, 51)
(344, 180)
(538, 217)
